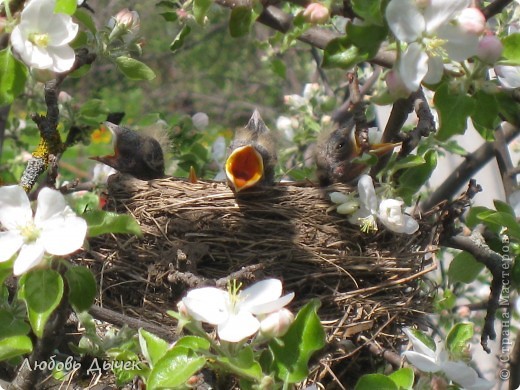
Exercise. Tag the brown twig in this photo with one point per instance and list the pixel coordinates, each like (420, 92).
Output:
(495, 8)
(505, 164)
(118, 319)
(472, 163)
(425, 125)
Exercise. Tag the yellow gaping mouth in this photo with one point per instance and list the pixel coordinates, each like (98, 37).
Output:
(244, 167)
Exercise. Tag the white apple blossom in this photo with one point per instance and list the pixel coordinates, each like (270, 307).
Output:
(392, 216)
(55, 228)
(388, 211)
(366, 216)
(431, 32)
(42, 38)
(234, 312)
(101, 172)
(428, 360)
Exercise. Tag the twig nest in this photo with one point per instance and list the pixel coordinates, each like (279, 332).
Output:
(202, 233)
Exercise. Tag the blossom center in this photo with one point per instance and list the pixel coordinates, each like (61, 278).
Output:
(234, 296)
(39, 39)
(30, 232)
(434, 46)
(368, 224)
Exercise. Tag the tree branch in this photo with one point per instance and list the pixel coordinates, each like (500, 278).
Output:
(505, 164)
(476, 246)
(495, 8)
(472, 163)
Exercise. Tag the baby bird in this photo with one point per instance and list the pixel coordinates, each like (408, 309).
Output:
(136, 154)
(335, 151)
(252, 156)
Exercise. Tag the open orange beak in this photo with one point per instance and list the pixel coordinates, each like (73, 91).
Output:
(382, 149)
(244, 167)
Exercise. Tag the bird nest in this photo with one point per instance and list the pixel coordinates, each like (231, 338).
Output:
(200, 233)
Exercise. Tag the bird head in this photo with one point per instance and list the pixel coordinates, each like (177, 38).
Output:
(244, 167)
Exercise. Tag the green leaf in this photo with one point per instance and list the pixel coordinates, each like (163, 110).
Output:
(375, 381)
(242, 364)
(133, 69)
(175, 368)
(278, 68)
(413, 178)
(14, 346)
(408, 162)
(200, 7)
(464, 268)
(13, 75)
(85, 18)
(82, 287)
(12, 325)
(101, 222)
(403, 378)
(95, 109)
(152, 347)
(485, 116)
(240, 21)
(512, 48)
(65, 7)
(472, 218)
(193, 342)
(178, 41)
(360, 44)
(503, 219)
(41, 290)
(370, 11)
(458, 339)
(292, 352)
(454, 109)
(503, 207)
(447, 302)
(86, 202)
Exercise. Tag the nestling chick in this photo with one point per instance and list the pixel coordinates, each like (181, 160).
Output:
(136, 154)
(252, 156)
(335, 151)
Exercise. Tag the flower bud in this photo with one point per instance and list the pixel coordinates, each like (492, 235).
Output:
(183, 310)
(423, 4)
(128, 19)
(348, 207)
(276, 324)
(200, 120)
(472, 20)
(316, 13)
(64, 97)
(396, 86)
(489, 49)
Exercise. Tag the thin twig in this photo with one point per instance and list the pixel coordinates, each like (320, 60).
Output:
(495, 8)
(505, 164)
(472, 164)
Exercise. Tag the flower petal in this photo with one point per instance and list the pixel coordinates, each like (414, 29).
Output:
(10, 242)
(63, 233)
(508, 76)
(435, 70)
(63, 58)
(422, 362)
(271, 306)
(238, 327)
(62, 30)
(418, 345)
(441, 12)
(208, 304)
(50, 203)
(15, 209)
(405, 20)
(339, 197)
(38, 13)
(413, 66)
(459, 372)
(367, 193)
(459, 44)
(30, 256)
(265, 291)
(392, 216)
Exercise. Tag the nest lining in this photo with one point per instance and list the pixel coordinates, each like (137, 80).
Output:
(369, 284)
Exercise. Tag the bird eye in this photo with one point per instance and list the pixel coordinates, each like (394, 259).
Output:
(340, 145)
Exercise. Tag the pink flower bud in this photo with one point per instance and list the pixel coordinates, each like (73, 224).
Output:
(64, 97)
(128, 19)
(276, 324)
(395, 84)
(316, 13)
(183, 310)
(472, 20)
(489, 49)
